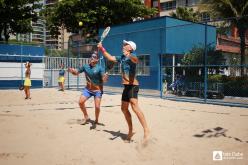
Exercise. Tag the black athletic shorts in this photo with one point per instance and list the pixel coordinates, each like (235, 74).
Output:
(130, 91)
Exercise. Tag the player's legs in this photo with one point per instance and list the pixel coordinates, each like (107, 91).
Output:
(62, 85)
(26, 92)
(127, 114)
(140, 115)
(82, 101)
(59, 85)
(128, 117)
(97, 108)
(132, 95)
(97, 99)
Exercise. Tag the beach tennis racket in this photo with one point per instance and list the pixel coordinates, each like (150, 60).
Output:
(104, 33)
(105, 62)
(21, 87)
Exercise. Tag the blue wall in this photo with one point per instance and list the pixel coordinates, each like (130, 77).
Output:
(7, 84)
(11, 53)
(21, 50)
(181, 36)
(164, 35)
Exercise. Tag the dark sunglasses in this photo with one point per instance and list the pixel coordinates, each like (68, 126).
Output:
(94, 56)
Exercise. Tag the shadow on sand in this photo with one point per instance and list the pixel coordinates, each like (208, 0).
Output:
(116, 134)
(217, 132)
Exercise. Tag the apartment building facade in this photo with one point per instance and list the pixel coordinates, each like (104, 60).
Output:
(41, 34)
(166, 7)
(228, 44)
(38, 35)
(61, 42)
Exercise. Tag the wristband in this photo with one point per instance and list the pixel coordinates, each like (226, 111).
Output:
(102, 49)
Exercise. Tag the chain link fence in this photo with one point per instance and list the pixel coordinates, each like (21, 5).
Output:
(209, 72)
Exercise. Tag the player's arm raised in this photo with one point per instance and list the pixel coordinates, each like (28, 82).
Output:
(128, 54)
(105, 53)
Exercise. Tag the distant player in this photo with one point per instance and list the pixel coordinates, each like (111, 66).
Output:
(128, 62)
(95, 77)
(27, 82)
(61, 79)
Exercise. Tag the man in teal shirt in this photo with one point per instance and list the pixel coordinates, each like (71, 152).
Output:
(95, 76)
(128, 62)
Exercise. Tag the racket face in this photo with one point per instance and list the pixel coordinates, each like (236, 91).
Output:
(21, 87)
(105, 33)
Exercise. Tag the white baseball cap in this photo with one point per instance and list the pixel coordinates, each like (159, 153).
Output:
(131, 43)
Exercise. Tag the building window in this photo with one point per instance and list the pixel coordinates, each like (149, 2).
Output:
(143, 67)
(187, 3)
(205, 17)
(168, 5)
(116, 70)
(182, 3)
(155, 3)
(192, 2)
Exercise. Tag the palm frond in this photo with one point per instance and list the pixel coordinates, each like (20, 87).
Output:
(244, 9)
(229, 3)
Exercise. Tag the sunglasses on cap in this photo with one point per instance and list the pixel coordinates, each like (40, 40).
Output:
(94, 56)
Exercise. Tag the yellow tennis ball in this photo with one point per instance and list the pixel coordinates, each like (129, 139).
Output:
(80, 23)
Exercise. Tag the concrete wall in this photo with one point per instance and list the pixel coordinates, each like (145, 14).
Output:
(11, 74)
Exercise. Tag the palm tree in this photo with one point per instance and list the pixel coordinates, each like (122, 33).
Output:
(227, 9)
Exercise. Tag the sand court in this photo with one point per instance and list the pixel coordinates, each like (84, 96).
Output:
(47, 130)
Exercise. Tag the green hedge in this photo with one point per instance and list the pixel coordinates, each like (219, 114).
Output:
(235, 86)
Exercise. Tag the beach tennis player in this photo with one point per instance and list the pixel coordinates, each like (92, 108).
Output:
(61, 78)
(27, 81)
(95, 76)
(128, 62)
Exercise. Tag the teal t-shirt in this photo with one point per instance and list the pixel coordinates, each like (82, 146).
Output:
(61, 72)
(128, 69)
(93, 76)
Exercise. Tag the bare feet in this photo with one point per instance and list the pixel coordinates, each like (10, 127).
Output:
(96, 122)
(85, 121)
(129, 137)
(146, 136)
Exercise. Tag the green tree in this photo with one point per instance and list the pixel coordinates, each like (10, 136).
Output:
(16, 17)
(196, 57)
(186, 14)
(94, 14)
(227, 9)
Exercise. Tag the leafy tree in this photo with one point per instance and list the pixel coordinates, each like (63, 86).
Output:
(227, 9)
(16, 16)
(196, 57)
(94, 14)
(186, 14)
